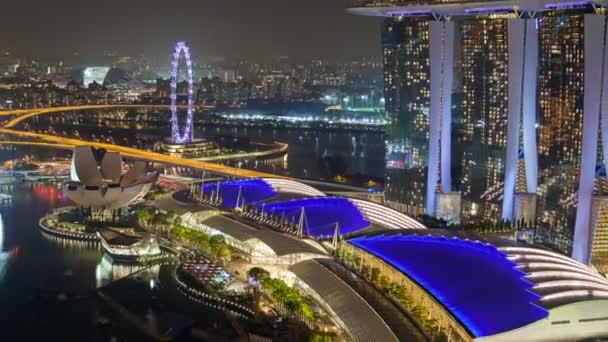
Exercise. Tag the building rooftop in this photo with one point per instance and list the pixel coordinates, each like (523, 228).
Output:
(251, 191)
(475, 281)
(281, 244)
(118, 238)
(321, 215)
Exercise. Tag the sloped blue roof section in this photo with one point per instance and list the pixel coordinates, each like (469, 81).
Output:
(320, 215)
(252, 191)
(473, 280)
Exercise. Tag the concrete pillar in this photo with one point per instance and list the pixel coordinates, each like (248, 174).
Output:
(441, 42)
(530, 105)
(446, 105)
(595, 57)
(522, 78)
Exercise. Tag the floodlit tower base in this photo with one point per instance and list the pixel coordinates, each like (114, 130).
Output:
(524, 207)
(448, 206)
(599, 233)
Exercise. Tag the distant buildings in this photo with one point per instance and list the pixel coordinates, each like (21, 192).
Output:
(224, 83)
(94, 75)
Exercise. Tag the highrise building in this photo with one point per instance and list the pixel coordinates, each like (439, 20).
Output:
(560, 125)
(405, 49)
(485, 101)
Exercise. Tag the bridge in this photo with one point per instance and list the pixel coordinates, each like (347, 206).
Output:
(23, 114)
(47, 140)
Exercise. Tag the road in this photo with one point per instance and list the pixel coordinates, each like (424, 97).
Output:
(134, 153)
(48, 140)
(22, 114)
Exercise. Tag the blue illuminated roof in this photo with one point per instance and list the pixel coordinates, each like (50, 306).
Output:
(252, 191)
(473, 280)
(321, 215)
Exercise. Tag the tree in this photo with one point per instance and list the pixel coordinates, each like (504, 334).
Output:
(177, 221)
(216, 242)
(144, 215)
(375, 275)
(384, 282)
(217, 239)
(224, 252)
(258, 273)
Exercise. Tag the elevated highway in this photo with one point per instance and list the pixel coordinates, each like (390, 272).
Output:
(21, 115)
(47, 140)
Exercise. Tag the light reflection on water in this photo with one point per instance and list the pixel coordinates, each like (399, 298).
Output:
(5, 257)
(108, 271)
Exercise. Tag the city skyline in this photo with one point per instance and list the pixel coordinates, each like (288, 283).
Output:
(268, 171)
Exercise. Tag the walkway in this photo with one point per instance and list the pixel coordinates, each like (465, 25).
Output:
(396, 320)
(358, 316)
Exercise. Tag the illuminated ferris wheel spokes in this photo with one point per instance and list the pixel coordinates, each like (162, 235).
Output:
(188, 130)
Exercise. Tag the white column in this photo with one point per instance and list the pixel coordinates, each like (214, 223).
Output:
(516, 31)
(435, 63)
(523, 73)
(441, 53)
(595, 40)
(530, 105)
(446, 118)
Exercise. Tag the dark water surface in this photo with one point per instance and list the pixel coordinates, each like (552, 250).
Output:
(40, 269)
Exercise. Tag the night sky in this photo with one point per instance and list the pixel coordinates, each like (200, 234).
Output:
(301, 29)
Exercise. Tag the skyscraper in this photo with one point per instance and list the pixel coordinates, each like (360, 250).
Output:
(560, 131)
(405, 49)
(484, 86)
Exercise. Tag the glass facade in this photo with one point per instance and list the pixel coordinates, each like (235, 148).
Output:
(561, 95)
(484, 106)
(405, 45)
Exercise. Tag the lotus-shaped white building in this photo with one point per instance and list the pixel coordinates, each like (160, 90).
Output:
(97, 180)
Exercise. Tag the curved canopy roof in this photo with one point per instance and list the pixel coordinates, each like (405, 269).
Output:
(558, 279)
(385, 216)
(475, 281)
(281, 244)
(321, 215)
(294, 187)
(251, 191)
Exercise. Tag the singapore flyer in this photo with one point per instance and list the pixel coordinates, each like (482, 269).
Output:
(187, 135)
